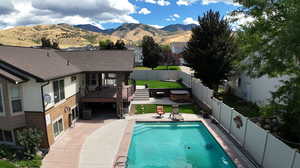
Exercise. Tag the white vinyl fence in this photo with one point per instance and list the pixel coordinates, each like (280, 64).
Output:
(264, 148)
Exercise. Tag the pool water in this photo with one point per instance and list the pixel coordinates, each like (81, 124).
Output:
(175, 145)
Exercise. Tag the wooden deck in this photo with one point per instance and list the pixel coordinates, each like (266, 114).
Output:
(108, 95)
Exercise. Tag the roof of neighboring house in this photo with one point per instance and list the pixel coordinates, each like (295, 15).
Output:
(46, 64)
(12, 77)
(179, 44)
(101, 60)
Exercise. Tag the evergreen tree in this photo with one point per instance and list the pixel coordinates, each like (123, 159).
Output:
(120, 45)
(211, 49)
(151, 52)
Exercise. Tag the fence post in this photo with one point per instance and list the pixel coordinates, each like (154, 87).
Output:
(293, 159)
(264, 153)
(220, 104)
(231, 114)
(245, 133)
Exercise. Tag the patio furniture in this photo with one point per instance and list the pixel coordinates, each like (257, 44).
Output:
(180, 96)
(160, 111)
(175, 115)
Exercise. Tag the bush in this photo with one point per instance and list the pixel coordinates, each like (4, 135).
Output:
(30, 139)
(36, 162)
(8, 152)
(6, 164)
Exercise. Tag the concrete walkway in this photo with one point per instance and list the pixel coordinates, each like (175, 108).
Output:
(101, 147)
(186, 69)
(65, 152)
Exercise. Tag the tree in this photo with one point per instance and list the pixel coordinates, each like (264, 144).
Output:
(167, 56)
(46, 43)
(120, 45)
(270, 46)
(151, 52)
(211, 50)
(106, 44)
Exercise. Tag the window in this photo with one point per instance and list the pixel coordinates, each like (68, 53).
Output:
(58, 127)
(16, 98)
(6, 136)
(92, 79)
(59, 90)
(1, 103)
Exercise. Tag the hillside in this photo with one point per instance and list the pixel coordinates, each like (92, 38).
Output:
(71, 36)
(66, 35)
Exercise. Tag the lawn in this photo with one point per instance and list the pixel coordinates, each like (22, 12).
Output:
(6, 164)
(159, 84)
(151, 108)
(248, 109)
(162, 67)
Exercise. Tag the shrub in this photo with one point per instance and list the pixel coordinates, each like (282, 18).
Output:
(6, 164)
(36, 162)
(30, 139)
(8, 152)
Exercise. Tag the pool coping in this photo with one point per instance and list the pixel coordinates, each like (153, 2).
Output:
(228, 149)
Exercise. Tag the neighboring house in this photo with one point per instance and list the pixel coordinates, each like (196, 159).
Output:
(49, 89)
(177, 48)
(138, 54)
(256, 90)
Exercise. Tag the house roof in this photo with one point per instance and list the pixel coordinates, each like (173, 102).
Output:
(101, 60)
(11, 77)
(45, 64)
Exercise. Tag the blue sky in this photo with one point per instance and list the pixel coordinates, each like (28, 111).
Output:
(107, 13)
(164, 15)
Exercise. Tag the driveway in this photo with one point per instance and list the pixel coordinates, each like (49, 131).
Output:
(65, 152)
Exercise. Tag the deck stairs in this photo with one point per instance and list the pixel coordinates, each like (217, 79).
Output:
(141, 95)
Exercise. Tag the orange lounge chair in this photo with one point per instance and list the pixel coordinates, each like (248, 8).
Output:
(160, 111)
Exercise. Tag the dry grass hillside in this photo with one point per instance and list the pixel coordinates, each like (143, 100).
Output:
(66, 35)
(69, 36)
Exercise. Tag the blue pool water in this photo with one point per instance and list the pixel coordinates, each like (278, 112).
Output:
(175, 145)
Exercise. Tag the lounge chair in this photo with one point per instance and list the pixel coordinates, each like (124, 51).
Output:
(160, 111)
(175, 115)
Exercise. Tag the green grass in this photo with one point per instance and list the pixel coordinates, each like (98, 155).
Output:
(6, 164)
(151, 108)
(34, 163)
(159, 84)
(162, 67)
(248, 109)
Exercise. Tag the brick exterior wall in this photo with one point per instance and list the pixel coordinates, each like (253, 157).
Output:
(57, 112)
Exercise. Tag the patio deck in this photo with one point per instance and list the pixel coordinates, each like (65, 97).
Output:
(108, 94)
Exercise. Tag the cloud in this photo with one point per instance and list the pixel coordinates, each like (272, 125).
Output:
(190, 20)
(157, 26)
(239, 20)
(6, 7)
(176, 15)
(229, 2)
(29, 12)
(144, 11)
(173, 17)
(185, 2)
(158, 2)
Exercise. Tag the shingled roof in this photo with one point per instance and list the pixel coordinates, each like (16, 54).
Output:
(45, 64)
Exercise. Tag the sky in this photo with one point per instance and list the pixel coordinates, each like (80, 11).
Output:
(108, 13)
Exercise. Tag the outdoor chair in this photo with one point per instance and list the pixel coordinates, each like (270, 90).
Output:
(160, 111)
(175, 115)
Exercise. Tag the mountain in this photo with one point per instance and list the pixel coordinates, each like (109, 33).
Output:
(78, 36)
(89, 27)
(178, 27)
(66, 35)
(135, 32)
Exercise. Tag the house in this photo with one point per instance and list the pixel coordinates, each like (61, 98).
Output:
(256, 90)
(50, 89)
(177, 48)
(138, 54)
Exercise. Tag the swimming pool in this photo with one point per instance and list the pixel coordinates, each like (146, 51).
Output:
(175, 145)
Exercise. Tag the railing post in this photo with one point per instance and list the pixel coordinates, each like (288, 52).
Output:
(293, 159)
(245, 133)
(220, 106)
(265, 148)
(231, 114)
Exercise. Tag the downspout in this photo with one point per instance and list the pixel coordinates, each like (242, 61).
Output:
(44, 117)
